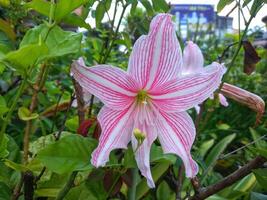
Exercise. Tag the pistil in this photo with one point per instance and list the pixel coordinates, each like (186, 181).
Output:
(142, 97)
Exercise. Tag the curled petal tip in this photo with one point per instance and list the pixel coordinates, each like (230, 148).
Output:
(223, 100)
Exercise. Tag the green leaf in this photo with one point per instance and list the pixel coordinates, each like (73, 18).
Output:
(6, 192)
(26, 115)
(259, 143)
(256, 6)
(222, 4)
(40, 6)
(205, 146)
(261, 176)
(148, 7)
(25, 56)
(70, 153)
(44, 141)
(218, 149)
(245, 183)
(157, 171)
(223, 126)
(99, 13)
(72, 124)
(59, 42)
(3, 147)
(262, 152)
(164, 192)
(47, 192)
(128, 159)
(76, 20)
(80, 193)
(15, 166)
(216, 197)
(5, 3)
(257, 196)
(160, 5)
(133, 7)
(63, 7)
(157, 155)
(246, 2)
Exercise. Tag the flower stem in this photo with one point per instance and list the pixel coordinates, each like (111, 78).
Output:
(132, 192)
(62, 193)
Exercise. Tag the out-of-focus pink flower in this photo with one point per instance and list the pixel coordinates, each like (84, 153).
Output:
(149, 98)
(246, 98)
(193, 62)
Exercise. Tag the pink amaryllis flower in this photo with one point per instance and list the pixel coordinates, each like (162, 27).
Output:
(193, 62)
(149, 98)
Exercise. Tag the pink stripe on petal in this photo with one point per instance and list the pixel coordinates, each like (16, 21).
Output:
(156, 57)
(176, 133)
(186, 92)
(117, 127)
(111, 85)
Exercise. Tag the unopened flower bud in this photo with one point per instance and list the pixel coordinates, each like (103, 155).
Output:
(246, 98)
(139, 135)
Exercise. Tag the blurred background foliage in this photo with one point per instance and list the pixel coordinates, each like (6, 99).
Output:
(40, 37)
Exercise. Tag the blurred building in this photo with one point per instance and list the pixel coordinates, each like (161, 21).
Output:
(261, 39)
(201, 20)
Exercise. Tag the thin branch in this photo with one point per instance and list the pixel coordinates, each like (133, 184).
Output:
(65, 118)
(37, 87)
(196, 184)
(220, 59)
(80, 100)
(229, 180)
(240, 9)
(37, 178)
(17, 191)
(227, 15)
(243, 147)
(91, 106)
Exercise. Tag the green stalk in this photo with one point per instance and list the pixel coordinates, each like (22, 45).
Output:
(132, 192)
(115, 35)
(12, 108)
(236, 52)
(62, 193)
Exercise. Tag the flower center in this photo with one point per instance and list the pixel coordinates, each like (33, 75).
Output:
(142, 97)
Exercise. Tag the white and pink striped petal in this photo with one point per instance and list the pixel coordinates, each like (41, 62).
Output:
(186, 92)
(111, 85)
(156, 58)
(176, 135)
(193, 60)
(117, 127)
